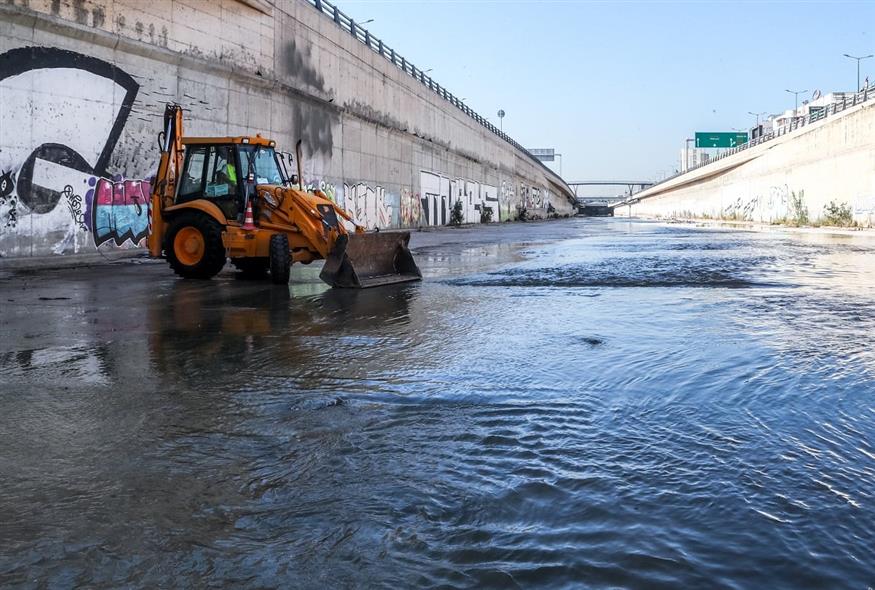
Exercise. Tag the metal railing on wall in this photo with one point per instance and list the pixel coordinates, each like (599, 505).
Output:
(378, 46)
(813, 116)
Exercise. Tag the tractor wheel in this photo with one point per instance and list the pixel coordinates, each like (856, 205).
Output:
(280, 259)
(194, 246)
(252, 268)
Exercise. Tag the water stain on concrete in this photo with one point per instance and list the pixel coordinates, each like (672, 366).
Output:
(81, 13)
(297, 65)
(314, 125)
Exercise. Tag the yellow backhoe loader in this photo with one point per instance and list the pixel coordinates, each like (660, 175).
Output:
(216, 198)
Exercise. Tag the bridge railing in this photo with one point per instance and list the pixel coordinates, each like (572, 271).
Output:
(829, 110)
(377, 45)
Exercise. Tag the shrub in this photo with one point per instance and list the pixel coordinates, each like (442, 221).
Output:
(456, 217)
(522, 214)
(838, 214)
(486, 215)
(798, 210)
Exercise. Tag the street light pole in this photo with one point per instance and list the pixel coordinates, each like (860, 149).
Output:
(795, 94)
(859, 59)
(757, 115)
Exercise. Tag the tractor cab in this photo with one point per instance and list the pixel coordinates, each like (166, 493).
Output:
(218, 170)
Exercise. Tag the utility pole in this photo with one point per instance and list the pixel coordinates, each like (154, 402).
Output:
(796, 94)
(859, 59)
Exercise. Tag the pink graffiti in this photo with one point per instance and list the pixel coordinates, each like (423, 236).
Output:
(120, 210)
(126, 192)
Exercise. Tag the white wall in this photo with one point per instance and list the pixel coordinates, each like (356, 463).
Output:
(830, 161)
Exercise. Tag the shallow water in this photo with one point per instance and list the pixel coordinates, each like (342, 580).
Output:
(586, 403)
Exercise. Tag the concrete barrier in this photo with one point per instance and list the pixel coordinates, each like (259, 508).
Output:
(83, 86)
(822, 173)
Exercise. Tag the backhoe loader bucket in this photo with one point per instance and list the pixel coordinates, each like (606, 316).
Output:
(359, 261)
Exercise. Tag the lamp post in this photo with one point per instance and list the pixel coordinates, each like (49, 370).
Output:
(353, 25)
(501, 120)
(795, 94)
(859, 59)
(757, 115)
(686, 165)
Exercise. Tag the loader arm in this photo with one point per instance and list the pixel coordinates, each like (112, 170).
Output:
(164, 186)
(352, 259)
(343, 213)
(314, 218)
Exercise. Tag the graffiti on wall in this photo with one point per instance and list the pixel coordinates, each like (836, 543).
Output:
(327, 188)
(489, 201)
(531, 198)
(435, 198)
(525, 197)
(375, 207)
(8, 201)
(863, 205)
(773, 206)
(53, 171)
(371, 207)
(506, 201)
(438, 195)
(411, 209)
(120, 210)
(535, 201)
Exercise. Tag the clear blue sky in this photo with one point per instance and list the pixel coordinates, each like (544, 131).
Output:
(617, 86)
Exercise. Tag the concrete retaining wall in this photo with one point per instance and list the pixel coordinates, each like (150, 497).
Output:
(789, 179)
(83, 85)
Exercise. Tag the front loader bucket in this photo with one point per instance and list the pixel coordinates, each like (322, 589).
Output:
(358, 261)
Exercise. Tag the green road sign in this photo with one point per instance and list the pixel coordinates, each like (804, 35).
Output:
(720, 139)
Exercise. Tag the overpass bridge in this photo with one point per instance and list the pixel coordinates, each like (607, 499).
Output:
(644, 183)
(600, 205)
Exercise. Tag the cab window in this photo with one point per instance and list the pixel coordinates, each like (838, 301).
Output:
(264, 164)
(191, 185)
(221, 173)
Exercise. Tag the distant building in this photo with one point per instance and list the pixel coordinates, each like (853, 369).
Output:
(807, 108)
(692, 157)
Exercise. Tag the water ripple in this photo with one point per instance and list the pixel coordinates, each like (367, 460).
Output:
(629, 405)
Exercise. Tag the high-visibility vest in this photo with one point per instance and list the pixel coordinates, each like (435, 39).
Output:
(232, 172)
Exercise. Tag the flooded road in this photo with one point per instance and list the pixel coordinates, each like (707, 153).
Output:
(584, 403)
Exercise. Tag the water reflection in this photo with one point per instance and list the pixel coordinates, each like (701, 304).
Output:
(205, 330)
